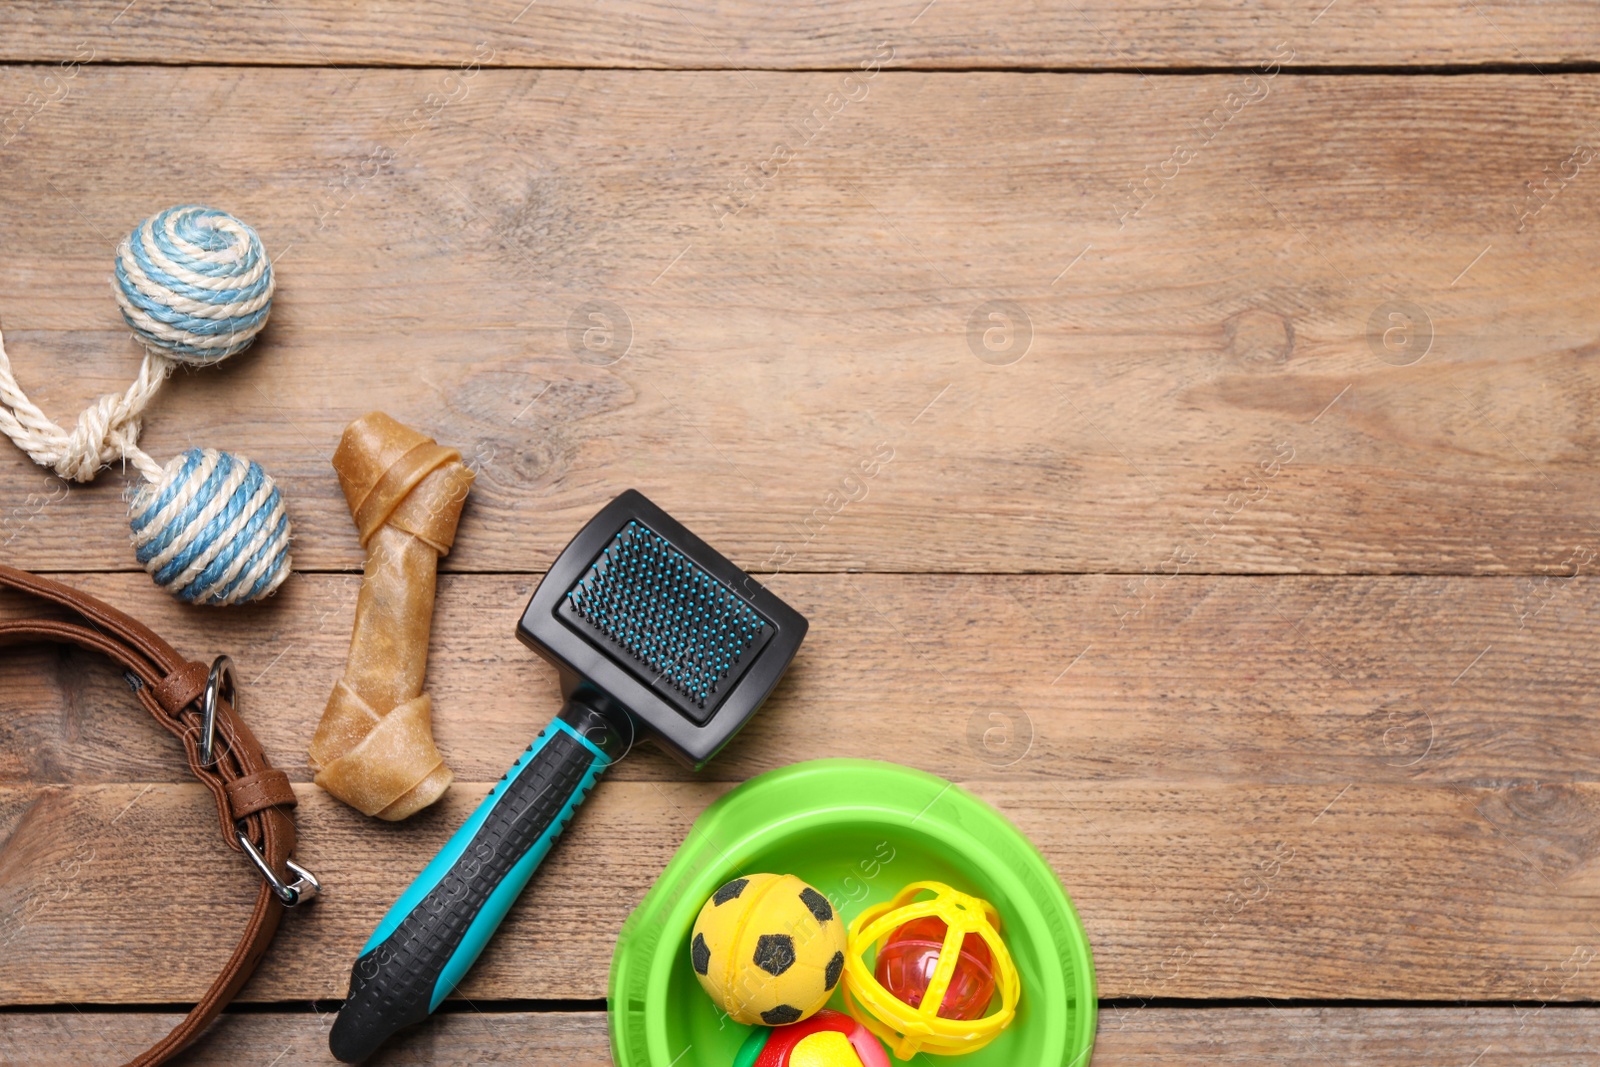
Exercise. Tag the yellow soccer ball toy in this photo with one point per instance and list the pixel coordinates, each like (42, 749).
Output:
(768, 949)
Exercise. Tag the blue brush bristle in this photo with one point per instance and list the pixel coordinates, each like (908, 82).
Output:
(669, 614)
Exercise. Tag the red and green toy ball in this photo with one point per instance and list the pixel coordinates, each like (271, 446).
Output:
(827, 1039)
(908, 959)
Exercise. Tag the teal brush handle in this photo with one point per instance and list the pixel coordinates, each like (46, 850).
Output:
(439, 926)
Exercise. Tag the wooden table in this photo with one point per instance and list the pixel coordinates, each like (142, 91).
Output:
(1229, 377)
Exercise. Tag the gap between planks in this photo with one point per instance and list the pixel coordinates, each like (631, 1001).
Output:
(1309, 70)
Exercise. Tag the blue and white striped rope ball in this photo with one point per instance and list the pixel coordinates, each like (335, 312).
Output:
(194, 283)
(213, 530)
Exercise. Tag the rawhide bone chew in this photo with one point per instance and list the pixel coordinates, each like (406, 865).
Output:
(374, 747)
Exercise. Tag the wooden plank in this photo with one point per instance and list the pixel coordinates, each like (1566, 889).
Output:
(1190, 890)
(1207, 386)
(1474, 681)
(649, 33)
(1528, 1036)
(63, 854)
(71, 1039)
(1531, 1034)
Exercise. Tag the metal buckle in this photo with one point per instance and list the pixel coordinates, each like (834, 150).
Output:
(221, 671)
(303, 889)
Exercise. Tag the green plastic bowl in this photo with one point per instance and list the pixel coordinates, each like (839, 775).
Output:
(859, 831)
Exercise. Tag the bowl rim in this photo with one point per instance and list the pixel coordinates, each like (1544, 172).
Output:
(889, 795)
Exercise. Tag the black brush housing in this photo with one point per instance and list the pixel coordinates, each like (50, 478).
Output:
(644, 620)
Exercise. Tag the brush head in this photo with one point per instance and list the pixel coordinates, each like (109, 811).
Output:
(643, 616)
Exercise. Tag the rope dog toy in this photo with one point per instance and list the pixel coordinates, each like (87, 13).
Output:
(196, 287)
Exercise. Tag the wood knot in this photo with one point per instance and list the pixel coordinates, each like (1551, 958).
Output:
(1556, 825)
(1258, 339)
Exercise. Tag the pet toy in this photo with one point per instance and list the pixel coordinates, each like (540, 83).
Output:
(650, 630)
(374, 747)
(768, 949)
(908, 1029)
(908, 961)
(209, 527)
(827, 1039)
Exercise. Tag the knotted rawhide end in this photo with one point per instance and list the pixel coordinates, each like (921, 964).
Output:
(374, 747)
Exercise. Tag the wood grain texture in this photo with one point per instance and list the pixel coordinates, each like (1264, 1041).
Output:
(1271, 631)
(1528, 1036)
(1349, 1037)
(1471, 681)
(71, 1039)
(1410, 759)
(742, 34)
(1192, 890)
(1206, 386)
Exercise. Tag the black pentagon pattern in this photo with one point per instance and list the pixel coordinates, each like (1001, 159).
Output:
(730, 891)
(781, 1015)
(700, 952)
(817, 903)
(835, 968)
(775, 953)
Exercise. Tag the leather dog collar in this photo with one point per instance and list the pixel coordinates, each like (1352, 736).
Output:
(253, 798)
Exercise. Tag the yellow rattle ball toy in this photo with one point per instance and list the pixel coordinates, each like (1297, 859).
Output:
(908, 1029)
(768, 949)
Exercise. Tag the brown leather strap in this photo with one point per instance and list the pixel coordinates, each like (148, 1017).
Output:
(249, 792)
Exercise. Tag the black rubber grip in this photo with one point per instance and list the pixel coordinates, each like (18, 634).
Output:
(393, 984)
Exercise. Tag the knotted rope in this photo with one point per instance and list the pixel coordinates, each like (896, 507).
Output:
(107, 431)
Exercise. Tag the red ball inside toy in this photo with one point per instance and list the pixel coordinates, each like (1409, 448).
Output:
(907, 961)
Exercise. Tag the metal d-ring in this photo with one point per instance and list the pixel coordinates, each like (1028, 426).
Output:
(305, 886)
(221, 671)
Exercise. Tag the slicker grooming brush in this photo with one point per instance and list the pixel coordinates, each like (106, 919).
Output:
(653, 632)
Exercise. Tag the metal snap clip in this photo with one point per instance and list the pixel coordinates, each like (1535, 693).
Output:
(304, 888)
(221, 671)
